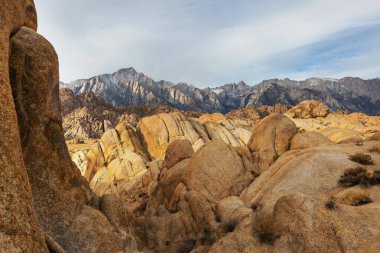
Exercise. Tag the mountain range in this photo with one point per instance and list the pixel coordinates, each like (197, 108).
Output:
(129, 87)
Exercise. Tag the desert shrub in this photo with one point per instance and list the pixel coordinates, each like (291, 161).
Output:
(361, 158)
(331, 205)
(359, 176)
(186, 246)
(264, 229)
(230, 225)
(352, 177)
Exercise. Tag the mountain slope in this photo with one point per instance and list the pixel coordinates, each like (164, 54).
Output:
(129, 87)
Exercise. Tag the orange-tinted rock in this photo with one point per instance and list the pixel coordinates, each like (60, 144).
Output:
(19, 229)
(309, 109)
(59, 191)
(270, 139)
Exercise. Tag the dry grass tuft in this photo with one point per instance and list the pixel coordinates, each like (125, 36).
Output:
(359, 176)
(361, 158)
(331, 205)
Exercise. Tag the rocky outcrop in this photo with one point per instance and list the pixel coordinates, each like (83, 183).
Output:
(170, 127)
(308, 109)
(298, 192)
(353, 127)
(19, 228)
(270, 139)
(182, 207)
(250, 116)
(86, 116)
(116, 164)
(309, 140)
(62, 197)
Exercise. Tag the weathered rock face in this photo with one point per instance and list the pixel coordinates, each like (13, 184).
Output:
(270, 139)
(170, 127)
(250, 116)
(309, 109)
(347, 126)
(86, 116)
(19, 229)
(183, 203)
(60, 193)
(309, 140)
(308, 206)
(116, 164)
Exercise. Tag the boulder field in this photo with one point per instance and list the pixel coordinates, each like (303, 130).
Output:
(303, 181)
(283, 189)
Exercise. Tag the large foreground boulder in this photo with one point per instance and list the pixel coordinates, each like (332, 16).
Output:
(61, 194)
(19, 229)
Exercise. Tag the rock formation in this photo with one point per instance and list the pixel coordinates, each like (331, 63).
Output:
(46, 205)
(309, 109)
(19, 229)
(86, 116)
(170, 127)
(270, 139)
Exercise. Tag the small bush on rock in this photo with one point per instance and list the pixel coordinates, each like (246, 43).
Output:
(359, 176)
(352, 177)
(331, 205)
(361, 158)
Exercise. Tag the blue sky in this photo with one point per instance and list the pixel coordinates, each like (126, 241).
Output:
(213, 42)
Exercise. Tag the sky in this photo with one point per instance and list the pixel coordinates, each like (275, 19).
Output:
(214, 42)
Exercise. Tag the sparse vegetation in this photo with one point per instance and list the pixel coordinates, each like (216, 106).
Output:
(230, 225)
(187, 246)
(361, 158)
(359, 176)
(264, 228)
(352, 177)
(331, 205)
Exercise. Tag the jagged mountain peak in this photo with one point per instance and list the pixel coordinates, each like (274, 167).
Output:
(130, 87)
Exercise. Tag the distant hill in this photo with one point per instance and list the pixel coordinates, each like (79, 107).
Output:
(129, 87)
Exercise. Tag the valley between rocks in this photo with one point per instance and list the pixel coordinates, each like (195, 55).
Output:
(143, 179)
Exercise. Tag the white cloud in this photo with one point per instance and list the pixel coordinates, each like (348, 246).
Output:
(203, 42)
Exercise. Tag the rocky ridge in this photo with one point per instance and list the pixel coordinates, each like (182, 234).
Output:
(129, 87)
